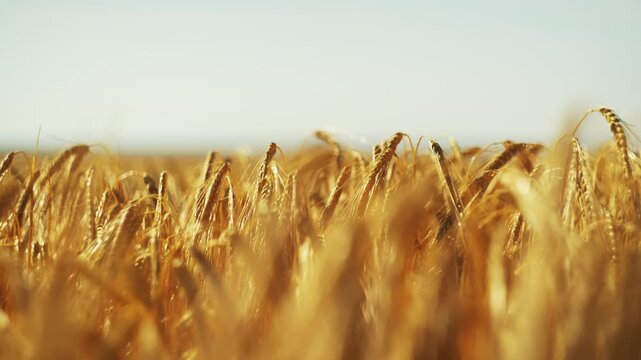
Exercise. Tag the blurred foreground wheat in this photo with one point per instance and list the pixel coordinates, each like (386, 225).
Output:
(513, 251)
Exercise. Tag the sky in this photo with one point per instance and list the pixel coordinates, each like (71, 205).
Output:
(192, 76)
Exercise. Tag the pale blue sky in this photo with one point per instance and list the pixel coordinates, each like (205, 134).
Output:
(190, 74)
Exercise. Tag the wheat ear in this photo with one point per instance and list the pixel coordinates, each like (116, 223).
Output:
(207, 166)
(378, 168)
(618, 132)
(334, 197)
(482, 180)
(211, 198)
(6, 163)
(78, 150)
(616, 127)
(444, 171)
(264, 168)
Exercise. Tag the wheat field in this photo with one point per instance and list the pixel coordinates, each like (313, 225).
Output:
(508, 251)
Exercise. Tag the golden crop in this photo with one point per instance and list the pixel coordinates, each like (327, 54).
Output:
(512, 251)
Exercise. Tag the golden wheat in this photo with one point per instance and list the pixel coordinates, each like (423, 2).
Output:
(328, 253)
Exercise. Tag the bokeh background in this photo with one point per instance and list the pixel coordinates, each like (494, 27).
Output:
(188, 76)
